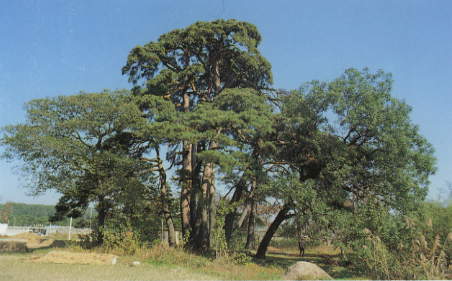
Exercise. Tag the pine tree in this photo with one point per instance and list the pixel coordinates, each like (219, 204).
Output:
(193, 66)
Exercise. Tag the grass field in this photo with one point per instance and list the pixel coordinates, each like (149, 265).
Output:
(162, 263)
(13, 267)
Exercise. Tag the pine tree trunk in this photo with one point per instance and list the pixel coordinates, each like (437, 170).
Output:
(252, 219)
(229, 219)
(212, 211)
(186, 176)
(282, 215)
(100, 219)
(250, 237)
(240, 187)
(205, 187)
(165, 207)
(246, 209)
(208, 181)
(196, 234)
(195, 203)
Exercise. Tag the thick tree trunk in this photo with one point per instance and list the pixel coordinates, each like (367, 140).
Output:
(100, 219)
(195, 203)
(230, 217)
(240, 221)
(186, 178)
(195, 211)
(186, 189)
(172, 239)
(212, 210)
(238, 192)
(250, 237)
(252, 219)
(165, 206)
(196, 234)
(205, 187)
(207, 184)
(282, 215)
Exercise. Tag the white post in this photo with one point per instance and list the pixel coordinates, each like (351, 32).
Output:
(70, 228)
(50, 229)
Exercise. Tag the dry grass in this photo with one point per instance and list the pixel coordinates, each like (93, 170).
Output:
(223, 267)
(317, 250)
(35, 242)
(158, 262)
(49, 243)
(13, 268)
(25, 235)
(324, 250)
(73, 258)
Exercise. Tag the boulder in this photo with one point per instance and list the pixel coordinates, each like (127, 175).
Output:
(305, 271)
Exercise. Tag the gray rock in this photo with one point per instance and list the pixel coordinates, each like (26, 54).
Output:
(305, 271)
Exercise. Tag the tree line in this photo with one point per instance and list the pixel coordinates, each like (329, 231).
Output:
(21, 214)
(202, 114)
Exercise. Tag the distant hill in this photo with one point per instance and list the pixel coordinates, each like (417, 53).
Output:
(36, 214)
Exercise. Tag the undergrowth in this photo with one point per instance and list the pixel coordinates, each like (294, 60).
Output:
(232, 266)
(414, 259)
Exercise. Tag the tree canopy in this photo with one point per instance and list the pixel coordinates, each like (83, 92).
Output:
(72, 144)
(202, 95)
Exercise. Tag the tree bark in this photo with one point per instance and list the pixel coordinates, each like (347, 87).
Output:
(207, 187)
(240, 221)
(164, 197)
(100, 219)
(240, 187)
(186, 176)
(282, 215)
(250, 238)
(196, 200)
(229, 219)
(212, 210)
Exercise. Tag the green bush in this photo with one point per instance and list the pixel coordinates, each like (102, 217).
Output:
(284, 243)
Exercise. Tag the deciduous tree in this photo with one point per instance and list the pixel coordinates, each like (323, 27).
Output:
(356, 141)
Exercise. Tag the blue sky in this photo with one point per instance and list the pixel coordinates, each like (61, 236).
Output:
(50, 48)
